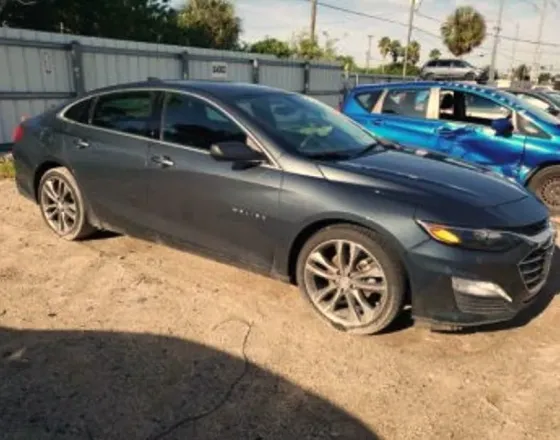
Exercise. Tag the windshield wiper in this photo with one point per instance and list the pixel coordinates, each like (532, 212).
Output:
(329, 155)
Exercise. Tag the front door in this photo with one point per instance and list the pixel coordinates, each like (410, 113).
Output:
(108, 155)
(404, 117)
(467, 132)
(217, 206)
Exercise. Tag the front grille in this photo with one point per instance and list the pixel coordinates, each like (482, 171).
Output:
(535, 267)
(481, 306)
(530, 230)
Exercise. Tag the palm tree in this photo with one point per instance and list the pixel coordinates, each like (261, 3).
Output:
(413, 53)
(384, 46)
(463, 30)
(435, 54)
(210, 23)
(396, 50)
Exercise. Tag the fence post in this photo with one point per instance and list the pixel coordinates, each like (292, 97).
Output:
(306, 77)
(77, 63)
(185, 64)
(256, 71)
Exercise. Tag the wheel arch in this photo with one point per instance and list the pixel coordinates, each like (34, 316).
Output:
(45, 166)
(315, 226)
(541, 167)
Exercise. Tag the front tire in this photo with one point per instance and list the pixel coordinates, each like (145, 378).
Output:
(470, 76)
(546, 185)
(352, 278)
(62, 205)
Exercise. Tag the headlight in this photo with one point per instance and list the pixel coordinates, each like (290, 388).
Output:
(475, 239)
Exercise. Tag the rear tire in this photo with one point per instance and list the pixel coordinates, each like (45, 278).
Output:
(546, 185)
(352, 278)
(62, 205)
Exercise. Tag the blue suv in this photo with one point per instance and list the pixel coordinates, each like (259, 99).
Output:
(474, 123)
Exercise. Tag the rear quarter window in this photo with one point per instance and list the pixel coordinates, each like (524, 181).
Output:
(367, 100)
(79, 112)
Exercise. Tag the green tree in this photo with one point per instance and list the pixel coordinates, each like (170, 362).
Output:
(141, 20)
(435, 54)
(271, 46)
(210, 23)
(384, 46)
(348, 62)
(311, 49)
(522, 72)
(463, 30)
(414, 53)
(395, 50)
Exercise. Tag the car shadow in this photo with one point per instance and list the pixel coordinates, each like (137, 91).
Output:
(103, 235)
(550, 290)
(111, 385)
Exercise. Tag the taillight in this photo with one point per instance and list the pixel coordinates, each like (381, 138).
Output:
(18, 134)
(18, 131)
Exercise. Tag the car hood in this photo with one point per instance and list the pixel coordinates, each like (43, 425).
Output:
(430, 177)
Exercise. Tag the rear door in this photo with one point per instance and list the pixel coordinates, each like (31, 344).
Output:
(108, 155)
(405, 116)
(213, 205)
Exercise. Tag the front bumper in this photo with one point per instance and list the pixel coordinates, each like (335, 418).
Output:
(520, 273)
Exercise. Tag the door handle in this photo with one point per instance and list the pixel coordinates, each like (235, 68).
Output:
(81, 144)
(163, 161)
(376, 122)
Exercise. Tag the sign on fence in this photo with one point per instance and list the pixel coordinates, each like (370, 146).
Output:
(219, 70)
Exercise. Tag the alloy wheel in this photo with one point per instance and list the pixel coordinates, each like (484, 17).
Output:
(550, 192)
(58, 204)
(345, 282)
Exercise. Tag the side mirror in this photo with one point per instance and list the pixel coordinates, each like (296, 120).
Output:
(235, 151)
(502, 127)
(553, 111)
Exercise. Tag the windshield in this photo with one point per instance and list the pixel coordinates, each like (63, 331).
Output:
(541, 114)
(305, 126)
(555, 97)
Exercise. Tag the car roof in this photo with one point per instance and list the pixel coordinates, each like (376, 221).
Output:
(223, 89)
(483, 90)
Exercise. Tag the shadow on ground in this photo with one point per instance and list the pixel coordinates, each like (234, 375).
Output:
(541, 303)
(103, 385)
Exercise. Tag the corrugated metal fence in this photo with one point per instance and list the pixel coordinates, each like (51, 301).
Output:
(39, 69)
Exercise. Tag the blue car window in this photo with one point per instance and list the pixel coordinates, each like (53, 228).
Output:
(367, 100)
(481, 110)
(412, 103)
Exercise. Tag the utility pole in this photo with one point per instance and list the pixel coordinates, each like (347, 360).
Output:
(368, 56)
(409, 35)
(313, 19)
(514, 51)
(537, 58)
(492, 73)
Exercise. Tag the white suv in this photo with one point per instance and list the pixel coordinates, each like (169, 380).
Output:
(451, 69)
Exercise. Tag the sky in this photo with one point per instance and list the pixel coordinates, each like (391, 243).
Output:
(282, 18)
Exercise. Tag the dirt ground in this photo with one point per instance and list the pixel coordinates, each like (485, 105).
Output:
(116, 338)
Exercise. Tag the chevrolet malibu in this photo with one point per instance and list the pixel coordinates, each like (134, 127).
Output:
(283, 184)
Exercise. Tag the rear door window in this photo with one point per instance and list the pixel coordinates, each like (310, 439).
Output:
(412, 103)
(127, 112)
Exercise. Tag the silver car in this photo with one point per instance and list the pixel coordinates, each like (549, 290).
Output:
(451, 69)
